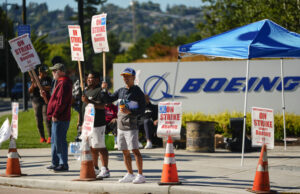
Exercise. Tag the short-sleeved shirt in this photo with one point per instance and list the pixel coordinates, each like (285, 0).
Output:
(94, 94)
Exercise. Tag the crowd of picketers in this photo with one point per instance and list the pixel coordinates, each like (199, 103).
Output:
(127, 113)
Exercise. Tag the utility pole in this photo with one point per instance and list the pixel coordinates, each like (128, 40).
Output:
(24, 75)
(6, 53)
(133, 21)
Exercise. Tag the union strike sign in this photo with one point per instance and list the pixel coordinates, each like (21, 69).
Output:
(14, 120)
(76, 43)
(99, 33)
(24, 53)
(169, 119)
(88, 123)
(262, 127)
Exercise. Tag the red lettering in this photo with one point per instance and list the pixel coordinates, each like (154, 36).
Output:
(75, 32)
(262, 115)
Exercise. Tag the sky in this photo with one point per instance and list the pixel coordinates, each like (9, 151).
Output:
(60, 4)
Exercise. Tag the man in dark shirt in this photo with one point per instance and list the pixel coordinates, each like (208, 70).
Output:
(38, 103)
(59, 112)
(131, 102)
(97, 138)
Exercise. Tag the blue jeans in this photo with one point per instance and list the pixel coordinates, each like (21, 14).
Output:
(59, 145)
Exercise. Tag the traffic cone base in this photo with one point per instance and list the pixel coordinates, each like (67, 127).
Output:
(169, 174)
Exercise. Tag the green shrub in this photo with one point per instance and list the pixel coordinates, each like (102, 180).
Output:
(223, 122)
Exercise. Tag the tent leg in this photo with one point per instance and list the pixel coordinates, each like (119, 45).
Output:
(176, 74)
(245, 113)
(283, 102)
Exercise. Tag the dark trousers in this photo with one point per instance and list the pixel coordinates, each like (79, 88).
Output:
(40, 111)
(149, 128)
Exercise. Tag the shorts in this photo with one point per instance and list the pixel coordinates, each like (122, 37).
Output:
(128, 140)
(97, 137)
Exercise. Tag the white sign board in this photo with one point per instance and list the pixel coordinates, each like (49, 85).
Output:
(5, 131)
(99, 33)
(1, 42)
(24, 53)
(212, 87)
(14, 120)
(169, 119)
(76, 43)
(262, 131)
(88, 123)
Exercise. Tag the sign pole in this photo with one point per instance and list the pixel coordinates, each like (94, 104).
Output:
(80, 76)
(37, 81)
(104, 67)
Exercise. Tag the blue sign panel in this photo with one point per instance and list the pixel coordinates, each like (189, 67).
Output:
(23, 29)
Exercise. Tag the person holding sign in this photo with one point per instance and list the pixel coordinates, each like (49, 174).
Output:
(38, 103)
(131, 102)
(97, 138)
(59, 112)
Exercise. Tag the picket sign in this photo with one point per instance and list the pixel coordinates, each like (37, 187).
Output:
(76, 48)
(5, 131)
(99, 37)
(26, 57)
(169, 119)
(262, 127)
(88, 123)
(14, 120)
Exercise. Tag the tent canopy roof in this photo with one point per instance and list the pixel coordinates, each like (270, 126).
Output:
(262, 39)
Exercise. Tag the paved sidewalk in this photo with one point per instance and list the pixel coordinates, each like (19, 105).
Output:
(218, 172)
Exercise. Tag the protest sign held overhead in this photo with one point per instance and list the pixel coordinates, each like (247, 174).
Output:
(76, 43)
(99, 33)
(88, 123)
(262, 131)
(14, 120)
(169, 119)
(24, 53)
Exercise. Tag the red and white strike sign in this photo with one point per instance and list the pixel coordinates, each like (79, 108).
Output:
(24, 53)
(88, 123)
(262, 131)
(99, 33)
(14, 120)
(76, 43)
(169, 119)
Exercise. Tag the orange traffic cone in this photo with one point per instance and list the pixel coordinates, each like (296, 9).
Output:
(87, 172)
(169, 174)
(13, 165)
(261, 181)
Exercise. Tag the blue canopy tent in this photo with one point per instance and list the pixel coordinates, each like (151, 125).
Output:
(262, 39)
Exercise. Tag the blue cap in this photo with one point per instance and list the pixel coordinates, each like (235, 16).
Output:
(128, 71)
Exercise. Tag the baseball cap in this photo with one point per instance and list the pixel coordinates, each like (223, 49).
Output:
(58, 66)
(128, 71)
(43, 68)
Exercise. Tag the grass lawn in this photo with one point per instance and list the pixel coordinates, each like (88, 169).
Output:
(29, 137)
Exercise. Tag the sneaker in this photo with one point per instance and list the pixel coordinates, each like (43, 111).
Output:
(61, 168)
(139, 179)
(148, 145)
(42, 140)
(49, 140)
(104, 173)
(128, 178)
(51, 167)
(140, 145)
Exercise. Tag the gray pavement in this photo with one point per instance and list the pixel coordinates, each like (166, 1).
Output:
(218, 172)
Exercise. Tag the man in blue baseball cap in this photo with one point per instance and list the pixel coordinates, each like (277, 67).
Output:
(131, 102)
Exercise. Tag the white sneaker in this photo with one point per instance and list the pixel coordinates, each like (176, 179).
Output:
(128, 178)
(104, 173)
(140, 145)
(148, 145)
(139, 179)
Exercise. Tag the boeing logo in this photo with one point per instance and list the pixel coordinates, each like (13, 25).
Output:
(157, 87)
(154, 83)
